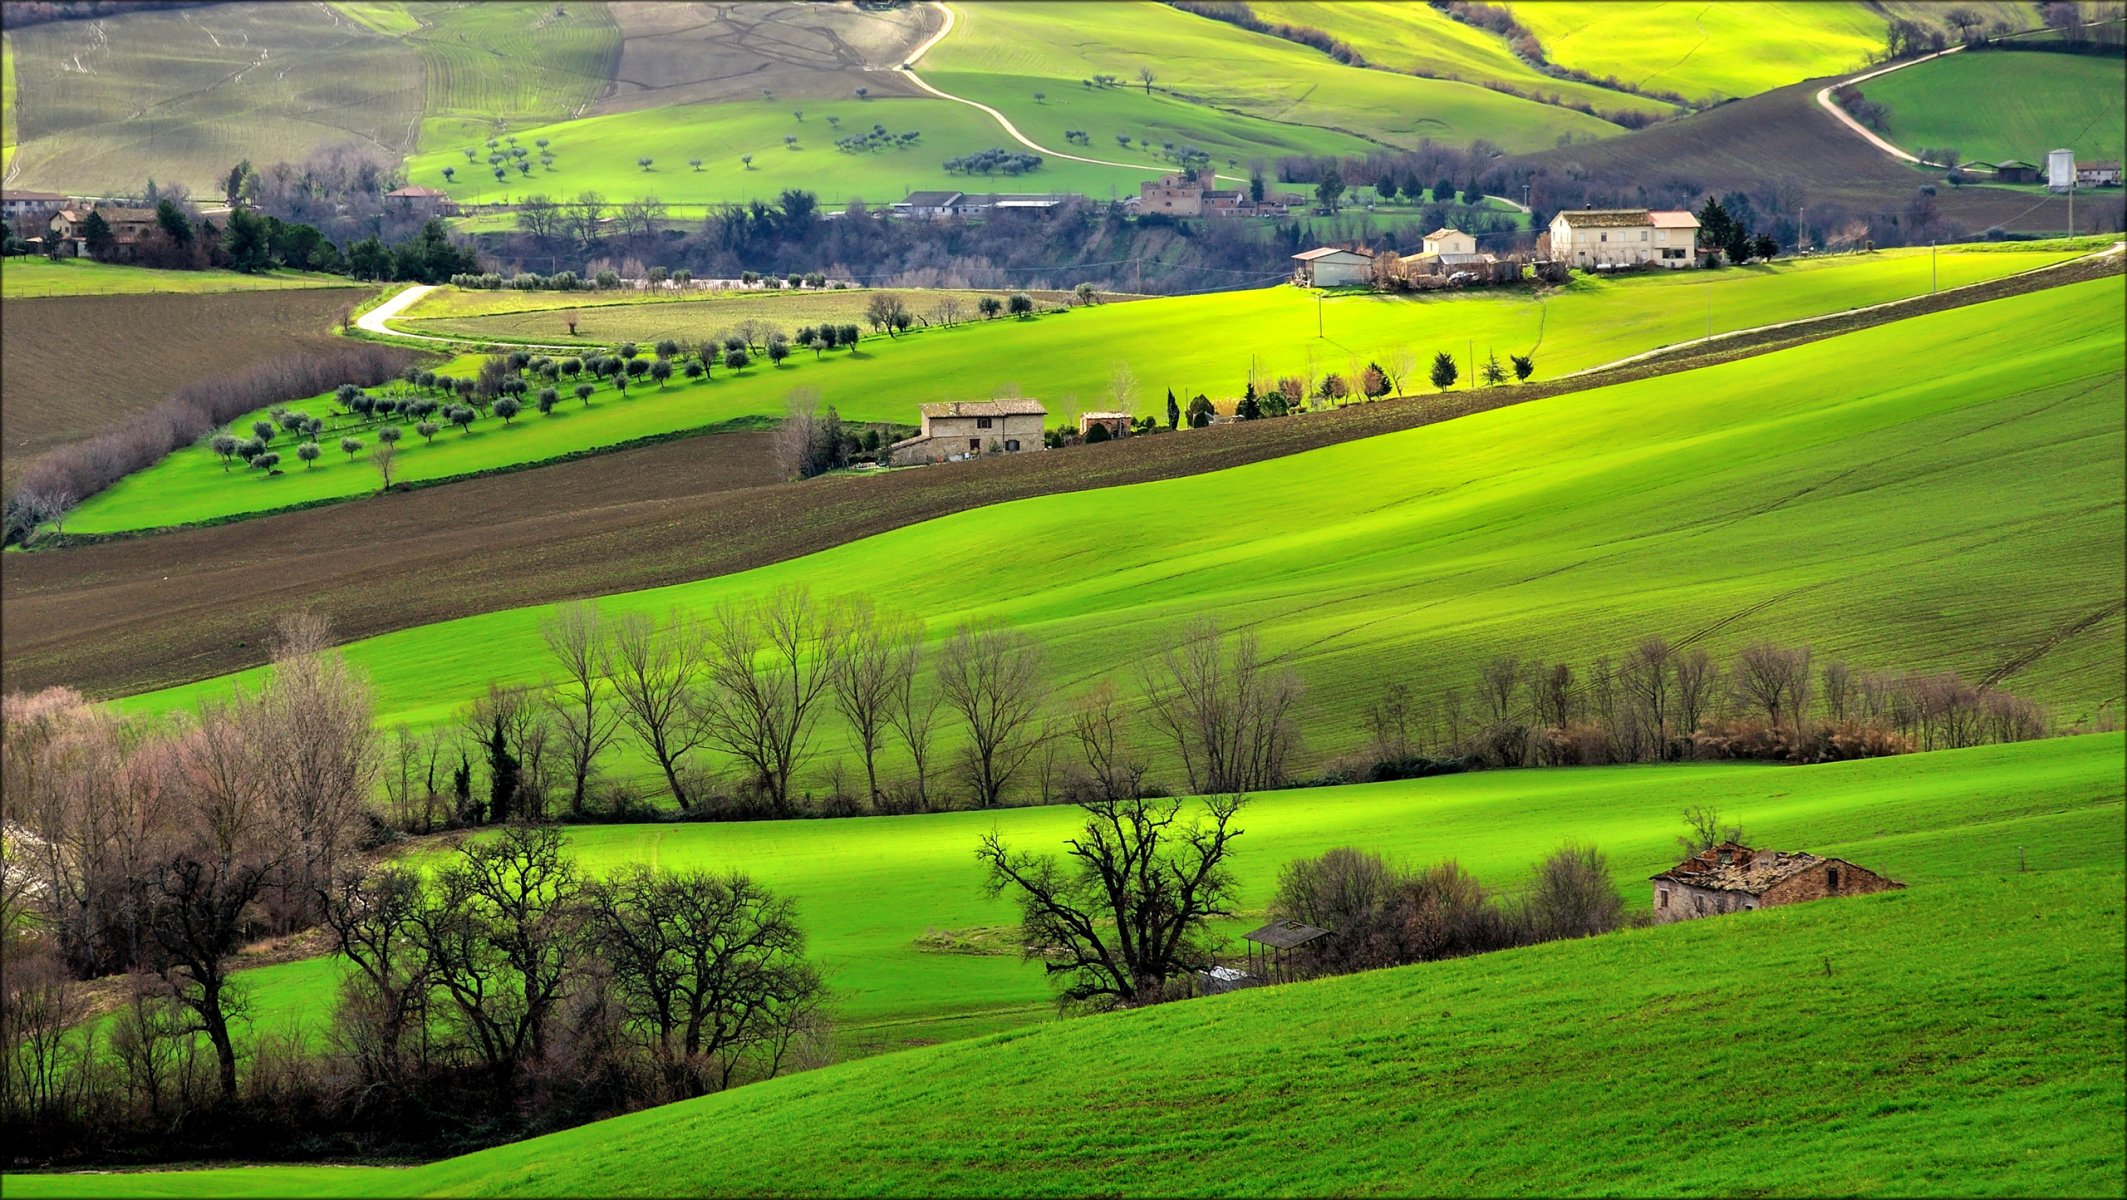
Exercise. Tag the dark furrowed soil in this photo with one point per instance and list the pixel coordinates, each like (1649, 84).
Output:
(132, 615)
(76, 366)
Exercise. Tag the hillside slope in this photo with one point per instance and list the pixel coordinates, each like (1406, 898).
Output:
(2007, 105)
(1814, 494)
(1961, 1036)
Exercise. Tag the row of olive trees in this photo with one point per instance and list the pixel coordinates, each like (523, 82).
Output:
(1663, 702)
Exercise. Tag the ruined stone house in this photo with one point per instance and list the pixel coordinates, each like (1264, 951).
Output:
(1732, 878)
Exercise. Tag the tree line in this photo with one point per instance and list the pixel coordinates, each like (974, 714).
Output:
(498, 993)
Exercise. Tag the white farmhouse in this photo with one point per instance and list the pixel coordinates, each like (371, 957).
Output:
(1625, 237)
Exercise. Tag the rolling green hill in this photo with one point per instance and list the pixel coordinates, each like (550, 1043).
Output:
(1961, 1035)
(2007, 105)
(1067, 359)
(1423, 40)
(599, 154)
(1243, 95)
(1813, 494)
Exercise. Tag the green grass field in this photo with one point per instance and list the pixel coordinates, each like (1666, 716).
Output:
(599, 154)
(2008, 105)
(517, 63)
(1704, 51)
(29, 277)
(1970, 1023)
(1067, 359)
(7, 104)
(102, 106)
(1799, 496)
(1246, 94)
(1421, 39)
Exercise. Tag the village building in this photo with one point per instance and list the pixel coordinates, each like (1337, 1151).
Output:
(937, 206)
(1182, 195)
(67, 235)
(1330, 267)
(1117, 423)
(965, 428)
(2097, 174)
(41, 205)
(2014, 171)
(1735, 878)
(423, 201)
(1624, 237)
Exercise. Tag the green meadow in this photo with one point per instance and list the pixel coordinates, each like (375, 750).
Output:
(1000, 54)
(1067, 359)
(1423, 40)
(1818, 494)
(1961, 1035)
(2001, 105)
(28, 277)
(599, 154)
(1705, 52)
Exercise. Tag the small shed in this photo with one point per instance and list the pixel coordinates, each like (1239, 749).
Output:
(1117, 423)
(1270, 949)
(1327, 266)
(2016, 171)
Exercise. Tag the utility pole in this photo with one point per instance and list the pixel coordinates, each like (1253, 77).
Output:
(1318, 314)
(1802, 228)
(1933, 273)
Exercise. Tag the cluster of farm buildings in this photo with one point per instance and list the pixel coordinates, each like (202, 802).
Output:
(57, 225)
(2063, 172)
(1590, 239)
(1178, 195)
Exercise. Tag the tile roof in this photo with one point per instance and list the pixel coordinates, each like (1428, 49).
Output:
(1326, 251)
(987, 408)
(927, 199)
(1444, 231)
(1751, 872)
(1605, 218)
(1673, 220)
(1284, 935)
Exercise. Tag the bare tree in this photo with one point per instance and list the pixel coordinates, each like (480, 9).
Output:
(1647, 675)
(1704, 830)
(912, 711)
(1773, 679)
(312, 751)
(1229, 715)
(385, 459)
(1099, 723)
(374, 920)
(1126, 909)
(196, 922)
(584, 717)
(872, 669)
(1838, 689)
(1698, 683)
(1122, 386)
(991, 677)
(772, 662)
(709, 971)
(655, 669)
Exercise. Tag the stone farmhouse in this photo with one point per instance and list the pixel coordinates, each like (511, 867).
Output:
(66, 235)
(1733, 878)
(1117, 423)
(1624, 237)
(1181, 195)
(2097, 174)
(1328, 266)
(963, 429)
(423, 201)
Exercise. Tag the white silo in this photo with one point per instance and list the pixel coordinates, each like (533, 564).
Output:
(2060, 170)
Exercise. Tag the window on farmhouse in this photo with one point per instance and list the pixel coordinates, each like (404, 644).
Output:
(974, 443)
(1011, 444)
(1831, 878)
(982, 422)
(1664, 899)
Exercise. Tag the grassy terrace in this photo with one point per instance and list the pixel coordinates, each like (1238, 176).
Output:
(1973, 1020)
(1068, 360)
(1776, 496)
(2008, 105)
(29, 277)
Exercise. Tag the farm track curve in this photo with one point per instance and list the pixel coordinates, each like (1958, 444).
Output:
(195, 603)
